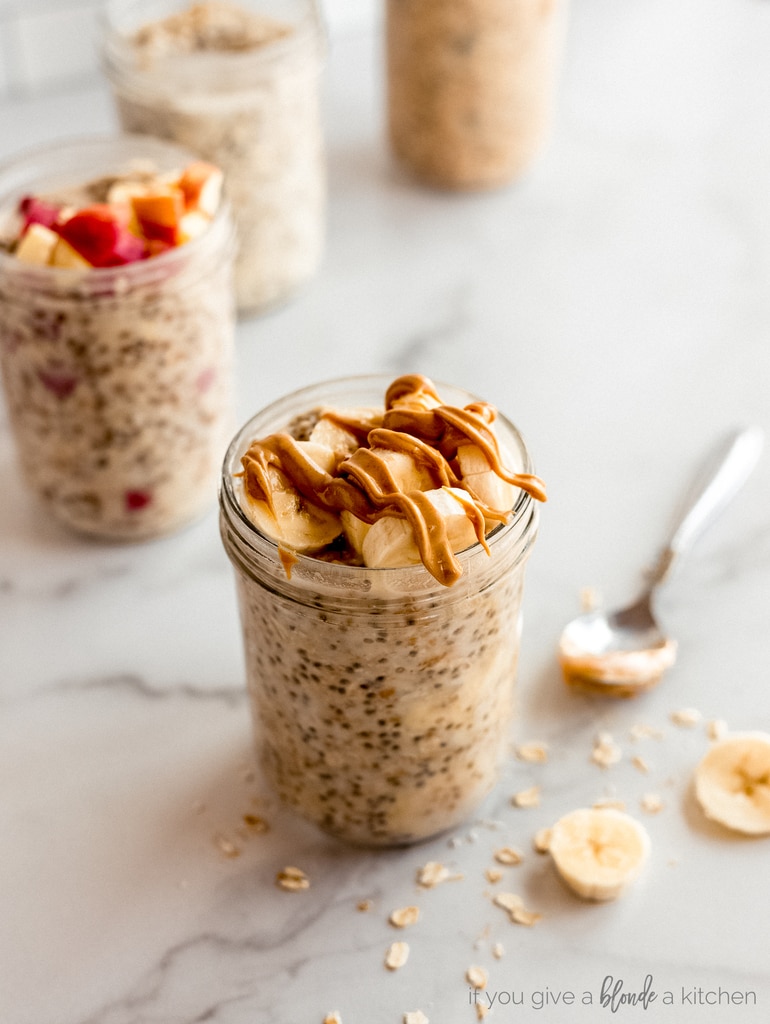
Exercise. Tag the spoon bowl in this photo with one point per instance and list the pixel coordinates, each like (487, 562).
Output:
(625, 652)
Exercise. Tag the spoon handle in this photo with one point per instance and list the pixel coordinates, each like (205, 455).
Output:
(722, 476)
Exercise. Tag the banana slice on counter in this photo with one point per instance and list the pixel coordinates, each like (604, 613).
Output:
(732, 783)
(390, 543)
(482, 481)
(599, 851)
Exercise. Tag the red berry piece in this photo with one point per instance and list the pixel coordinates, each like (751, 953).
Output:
(205, 379)
(61, 383)
(98, 234)
(136, 500)
(38, 211)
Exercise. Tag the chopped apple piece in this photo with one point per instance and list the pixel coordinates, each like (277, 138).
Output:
(100, 235)
(201, 184)
(159, 214)
(63, 255)
(192, 225)
(36, 245)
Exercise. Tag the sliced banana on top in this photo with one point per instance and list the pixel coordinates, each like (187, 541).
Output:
(482, 481)
(288, 517)
(732, 783)
(599, 851)
(390, 542)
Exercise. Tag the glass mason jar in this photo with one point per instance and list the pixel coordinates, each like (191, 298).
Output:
(381, 699)
(253, 112)
(118, 380)
(471, 86)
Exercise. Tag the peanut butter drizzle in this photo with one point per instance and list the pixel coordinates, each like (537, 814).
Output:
(415, 424)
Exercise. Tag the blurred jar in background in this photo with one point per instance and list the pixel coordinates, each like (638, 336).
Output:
(471, 86)
(239, 84)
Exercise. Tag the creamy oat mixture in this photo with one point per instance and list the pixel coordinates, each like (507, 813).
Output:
(241, 90)
(382, 699)
(117, 370)
(471, 86)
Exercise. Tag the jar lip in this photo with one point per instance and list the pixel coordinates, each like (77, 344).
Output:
(524, 510)
(137, 148)
(118, 49)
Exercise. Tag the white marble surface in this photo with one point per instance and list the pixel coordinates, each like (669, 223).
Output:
(616, 305)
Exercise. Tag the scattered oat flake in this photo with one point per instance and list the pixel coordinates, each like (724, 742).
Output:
(641, 764)
(332, 1018)
(397, 955)
(686, 718)
(364, 905)
(404, 916)
(292, 879)
(590, 598)
(652, 803)
(519, 915)
(536, 753)
(527, 797)
(542, 840)
(606, 751)
(498, 951)
(477, 977)
(517, 912)
(645, 732)
(493, 875)
(508, 901)
(226, 846)
(415, 1017)
(432, 873)
(481, 1011)
(508, 855)
(716, 729)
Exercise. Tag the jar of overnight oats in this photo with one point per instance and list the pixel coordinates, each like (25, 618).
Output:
(382, 699)
(471, 86)
(238, 83)
(117, 379)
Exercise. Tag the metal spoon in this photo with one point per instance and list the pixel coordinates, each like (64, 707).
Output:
(625, 652)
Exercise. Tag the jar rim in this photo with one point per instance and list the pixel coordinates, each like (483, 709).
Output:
(523, 522)
(118, 50)
(130, 147)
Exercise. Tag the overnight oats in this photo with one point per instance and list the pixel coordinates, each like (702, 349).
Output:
(117, 331)
(379, 535)
(240, 86)
(471, 86)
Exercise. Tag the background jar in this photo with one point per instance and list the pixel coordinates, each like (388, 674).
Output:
(118, 381)
(471, 86)
(381, 700)
(255, 113)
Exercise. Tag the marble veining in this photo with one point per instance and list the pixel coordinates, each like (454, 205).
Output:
(614, 305)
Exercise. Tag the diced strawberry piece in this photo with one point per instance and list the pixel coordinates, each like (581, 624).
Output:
(38, 211)
(136, 500)
(98, 234)
(62, 384)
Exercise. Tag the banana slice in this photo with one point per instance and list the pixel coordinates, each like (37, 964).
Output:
(289, 518)
(390, 542)
(482, 481)
(732, 783)
(355, 530)
(599, 851)
(333, 435)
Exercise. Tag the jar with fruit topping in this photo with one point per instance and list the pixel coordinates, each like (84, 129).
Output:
(382, 699)
(116, 346)
(238, 83)
(471, 86)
